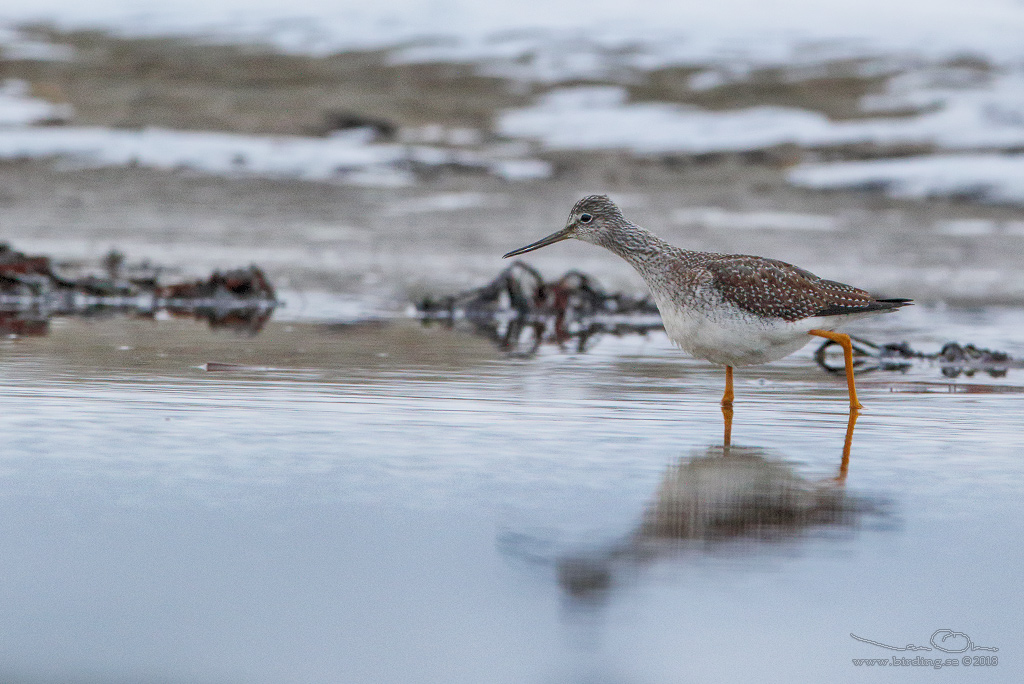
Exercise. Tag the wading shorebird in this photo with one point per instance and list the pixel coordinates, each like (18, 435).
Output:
(729, 309)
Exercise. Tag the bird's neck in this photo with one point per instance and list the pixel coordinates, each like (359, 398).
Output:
(640, 247)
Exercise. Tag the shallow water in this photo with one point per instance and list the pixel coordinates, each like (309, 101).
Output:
(387, 502)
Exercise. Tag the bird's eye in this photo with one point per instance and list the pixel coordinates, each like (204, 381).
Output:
(586, 218)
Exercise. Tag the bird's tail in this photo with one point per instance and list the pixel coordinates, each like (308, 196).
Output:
(892, 304)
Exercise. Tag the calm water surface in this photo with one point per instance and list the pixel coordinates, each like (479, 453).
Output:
(384, 502)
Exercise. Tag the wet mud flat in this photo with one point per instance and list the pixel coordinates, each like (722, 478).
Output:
(447, 233)
(340, 501)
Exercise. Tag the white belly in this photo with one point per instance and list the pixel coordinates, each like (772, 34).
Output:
(729, 336)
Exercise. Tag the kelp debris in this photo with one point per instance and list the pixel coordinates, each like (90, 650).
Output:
(520, 311)
(32, 290)
(953, 359)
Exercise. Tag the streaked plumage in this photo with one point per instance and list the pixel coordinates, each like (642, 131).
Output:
(730, 309)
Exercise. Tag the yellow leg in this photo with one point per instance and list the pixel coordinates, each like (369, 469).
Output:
(848, 444)
(727, 397)
(843, 340)
(727, 407)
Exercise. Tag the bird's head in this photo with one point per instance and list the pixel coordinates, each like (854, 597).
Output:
(589, 219)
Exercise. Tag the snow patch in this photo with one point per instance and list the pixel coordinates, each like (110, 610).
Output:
(15, 45)
(601, 118)
(346, 157)
(987, 177)
(19, 108)
(597, 118)
(574, 37)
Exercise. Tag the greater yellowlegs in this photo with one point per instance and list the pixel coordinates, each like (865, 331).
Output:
(729, 309)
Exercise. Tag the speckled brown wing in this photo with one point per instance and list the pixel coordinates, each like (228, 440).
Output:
(770, 288)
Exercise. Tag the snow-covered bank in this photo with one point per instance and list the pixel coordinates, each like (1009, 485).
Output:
(348, 158)
(602, 118)
(995, 178)
(945, 75)
(656, 30)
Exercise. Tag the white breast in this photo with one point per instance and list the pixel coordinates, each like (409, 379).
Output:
(718, 331)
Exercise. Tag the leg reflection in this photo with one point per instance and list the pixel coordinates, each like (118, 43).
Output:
(844, 466)
(727, 421)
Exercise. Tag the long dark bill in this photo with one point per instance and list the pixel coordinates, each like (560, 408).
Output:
(563, 234)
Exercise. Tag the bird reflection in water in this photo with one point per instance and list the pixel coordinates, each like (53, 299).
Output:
(844, 466)
(723, 500)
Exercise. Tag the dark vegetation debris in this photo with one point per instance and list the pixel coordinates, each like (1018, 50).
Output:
(953, 359)
(520, 311)
(32, 290)
(382, 129)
